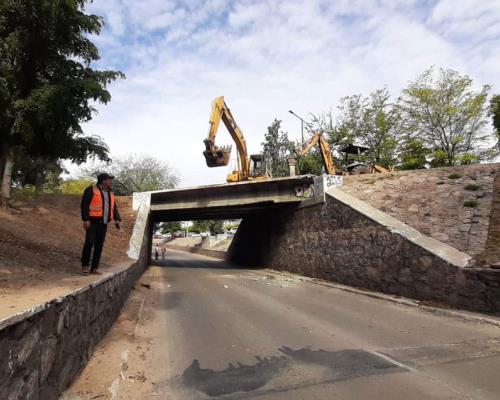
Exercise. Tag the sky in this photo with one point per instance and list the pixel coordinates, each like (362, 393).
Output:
(267, 57)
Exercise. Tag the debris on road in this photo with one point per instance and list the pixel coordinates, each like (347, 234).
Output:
(146, 285)
(225, 286)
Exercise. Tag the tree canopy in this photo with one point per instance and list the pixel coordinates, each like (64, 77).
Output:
(371, 121)
(214, 226)
(442, 109)
(136, 173)
(277, 148)
(47, 83)
(495, 114)
(170, 227)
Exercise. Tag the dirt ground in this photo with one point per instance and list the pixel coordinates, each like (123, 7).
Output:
(40, 246)
(127, 364)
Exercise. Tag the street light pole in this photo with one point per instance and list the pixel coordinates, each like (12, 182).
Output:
(301, 125)
(302, 130)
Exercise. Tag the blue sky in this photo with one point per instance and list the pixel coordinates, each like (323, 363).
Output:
(267, 57)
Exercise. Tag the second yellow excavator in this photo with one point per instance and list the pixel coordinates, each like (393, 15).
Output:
(351, 167)
(248, 168)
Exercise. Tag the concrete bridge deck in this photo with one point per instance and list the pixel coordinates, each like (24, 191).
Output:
(237, 200)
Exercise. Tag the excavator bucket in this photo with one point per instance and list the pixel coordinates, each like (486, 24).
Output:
(219, 157)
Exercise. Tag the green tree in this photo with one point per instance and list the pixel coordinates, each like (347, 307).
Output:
(41, 174)
(495, 114)
(310, 164)
(212, 226)
(170, 227)
(75, 186)
(413, 154)
(47, 84)
(371, 121)
(338, 133)
(441, 109)
(277, 148)
(136, 173)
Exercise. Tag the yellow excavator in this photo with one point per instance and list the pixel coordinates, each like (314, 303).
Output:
(324, 147)
(248, 168)
(352, 167)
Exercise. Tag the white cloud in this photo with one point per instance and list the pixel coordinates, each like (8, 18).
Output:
(267, 57)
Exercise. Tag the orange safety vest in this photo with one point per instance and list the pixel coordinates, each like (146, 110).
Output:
(96, 207)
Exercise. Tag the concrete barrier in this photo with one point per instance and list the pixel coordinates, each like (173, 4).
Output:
(42, 349)
(221, 255)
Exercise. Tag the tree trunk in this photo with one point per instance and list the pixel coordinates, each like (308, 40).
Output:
(8, 163)
(2, 162)
(39, 178)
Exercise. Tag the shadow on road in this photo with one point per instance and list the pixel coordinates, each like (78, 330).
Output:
(187, 260)
(180, 263)
(335, 366)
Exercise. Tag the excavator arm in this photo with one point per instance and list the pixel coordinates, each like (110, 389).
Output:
(324, 147)
(309, 144)
(326, 155)
(219, 156)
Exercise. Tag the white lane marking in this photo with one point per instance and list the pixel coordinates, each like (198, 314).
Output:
(393, 361)
(421, 373)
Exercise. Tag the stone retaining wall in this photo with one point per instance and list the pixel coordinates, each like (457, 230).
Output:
(221, 255)
(491, 253)
(44, 348)
(433, 201)
(347, 241)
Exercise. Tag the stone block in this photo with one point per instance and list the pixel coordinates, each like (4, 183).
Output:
(48, 353)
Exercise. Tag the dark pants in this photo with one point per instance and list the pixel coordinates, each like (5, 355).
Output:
(94, 238)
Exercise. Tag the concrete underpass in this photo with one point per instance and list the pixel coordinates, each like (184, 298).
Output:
(200, 328)
(205, 329)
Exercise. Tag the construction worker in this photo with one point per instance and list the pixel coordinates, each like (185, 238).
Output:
(98, 209)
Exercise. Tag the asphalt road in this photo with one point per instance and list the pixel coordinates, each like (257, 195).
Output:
(204, 330)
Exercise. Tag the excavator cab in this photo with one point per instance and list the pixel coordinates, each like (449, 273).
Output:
(258, 167)
(354, 165)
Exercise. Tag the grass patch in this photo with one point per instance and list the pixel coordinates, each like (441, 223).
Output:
(25, 193)
(454, 176)
(472, 187)
(470, 203)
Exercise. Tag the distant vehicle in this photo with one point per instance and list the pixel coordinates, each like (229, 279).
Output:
(205, 234)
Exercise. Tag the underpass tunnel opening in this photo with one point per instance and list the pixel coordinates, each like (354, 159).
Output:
(258, 206)
(245, 237)
(203, 233)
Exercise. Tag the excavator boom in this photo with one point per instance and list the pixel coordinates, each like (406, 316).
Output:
(324, 147)
(216, 156)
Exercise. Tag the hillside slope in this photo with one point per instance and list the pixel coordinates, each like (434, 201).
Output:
(41, 241)
(459, 206)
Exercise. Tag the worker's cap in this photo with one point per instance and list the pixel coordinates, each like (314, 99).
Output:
(104, 176)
